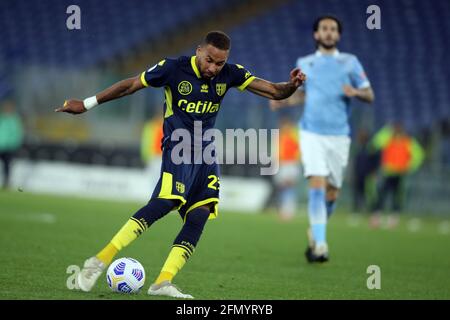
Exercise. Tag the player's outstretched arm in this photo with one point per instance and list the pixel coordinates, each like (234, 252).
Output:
(117, 90)
(280, 90)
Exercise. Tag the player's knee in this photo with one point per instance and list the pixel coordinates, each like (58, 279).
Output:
(332, 193)
(165, 204)
(193, 227)
(198, 216)
(316, 182)
(154, 210)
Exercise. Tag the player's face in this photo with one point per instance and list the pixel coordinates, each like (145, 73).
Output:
(210, 60)
(327, 35)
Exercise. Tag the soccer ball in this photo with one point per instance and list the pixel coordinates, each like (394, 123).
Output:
(125, 275)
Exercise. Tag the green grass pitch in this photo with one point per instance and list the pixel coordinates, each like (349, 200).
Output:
(240, 256)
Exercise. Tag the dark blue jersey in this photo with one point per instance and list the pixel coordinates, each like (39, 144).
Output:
(188, 96)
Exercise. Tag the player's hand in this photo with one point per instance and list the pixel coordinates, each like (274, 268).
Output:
(349, 91)
(72, 106)
(297, 77)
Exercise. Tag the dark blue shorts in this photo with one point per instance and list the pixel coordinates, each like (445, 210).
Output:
(194, 185)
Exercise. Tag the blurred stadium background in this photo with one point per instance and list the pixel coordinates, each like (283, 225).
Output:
(42, 63)
(98, 154)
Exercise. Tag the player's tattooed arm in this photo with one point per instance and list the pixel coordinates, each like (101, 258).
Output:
(117, 90)
(280, 90)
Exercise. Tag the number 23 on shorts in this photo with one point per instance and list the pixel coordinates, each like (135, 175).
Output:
(215, 183)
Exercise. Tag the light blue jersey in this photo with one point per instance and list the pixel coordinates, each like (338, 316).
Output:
(327, 109)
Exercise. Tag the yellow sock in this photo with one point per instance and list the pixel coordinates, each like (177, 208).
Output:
(164, 276)
(129, 232)
(107, 254)
(175, 261)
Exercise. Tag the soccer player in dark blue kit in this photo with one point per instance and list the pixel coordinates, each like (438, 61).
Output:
(194, 88)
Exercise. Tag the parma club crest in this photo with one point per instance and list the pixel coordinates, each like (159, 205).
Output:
(221, 88)
(179, 186)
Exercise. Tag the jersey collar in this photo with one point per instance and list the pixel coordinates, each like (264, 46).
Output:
(194, 67)
(320, 54)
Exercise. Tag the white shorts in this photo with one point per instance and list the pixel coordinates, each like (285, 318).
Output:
(324, 156)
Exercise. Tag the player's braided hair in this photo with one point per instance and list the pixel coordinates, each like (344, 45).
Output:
(218, 39)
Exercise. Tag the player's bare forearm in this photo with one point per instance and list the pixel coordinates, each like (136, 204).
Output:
(277, 91)
(117, 90)
(366, 95)
(120, 89)
(283, 90)
(274, 91)
(267, 89)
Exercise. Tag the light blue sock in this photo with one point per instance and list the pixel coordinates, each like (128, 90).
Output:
(317, 213)
(331, 205)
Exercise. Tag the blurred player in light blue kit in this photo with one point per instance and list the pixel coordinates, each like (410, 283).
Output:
(333, 78)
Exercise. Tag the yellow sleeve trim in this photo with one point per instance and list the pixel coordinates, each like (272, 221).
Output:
(246, 83)
(168, 95)
(194, 67)
(143, 79)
